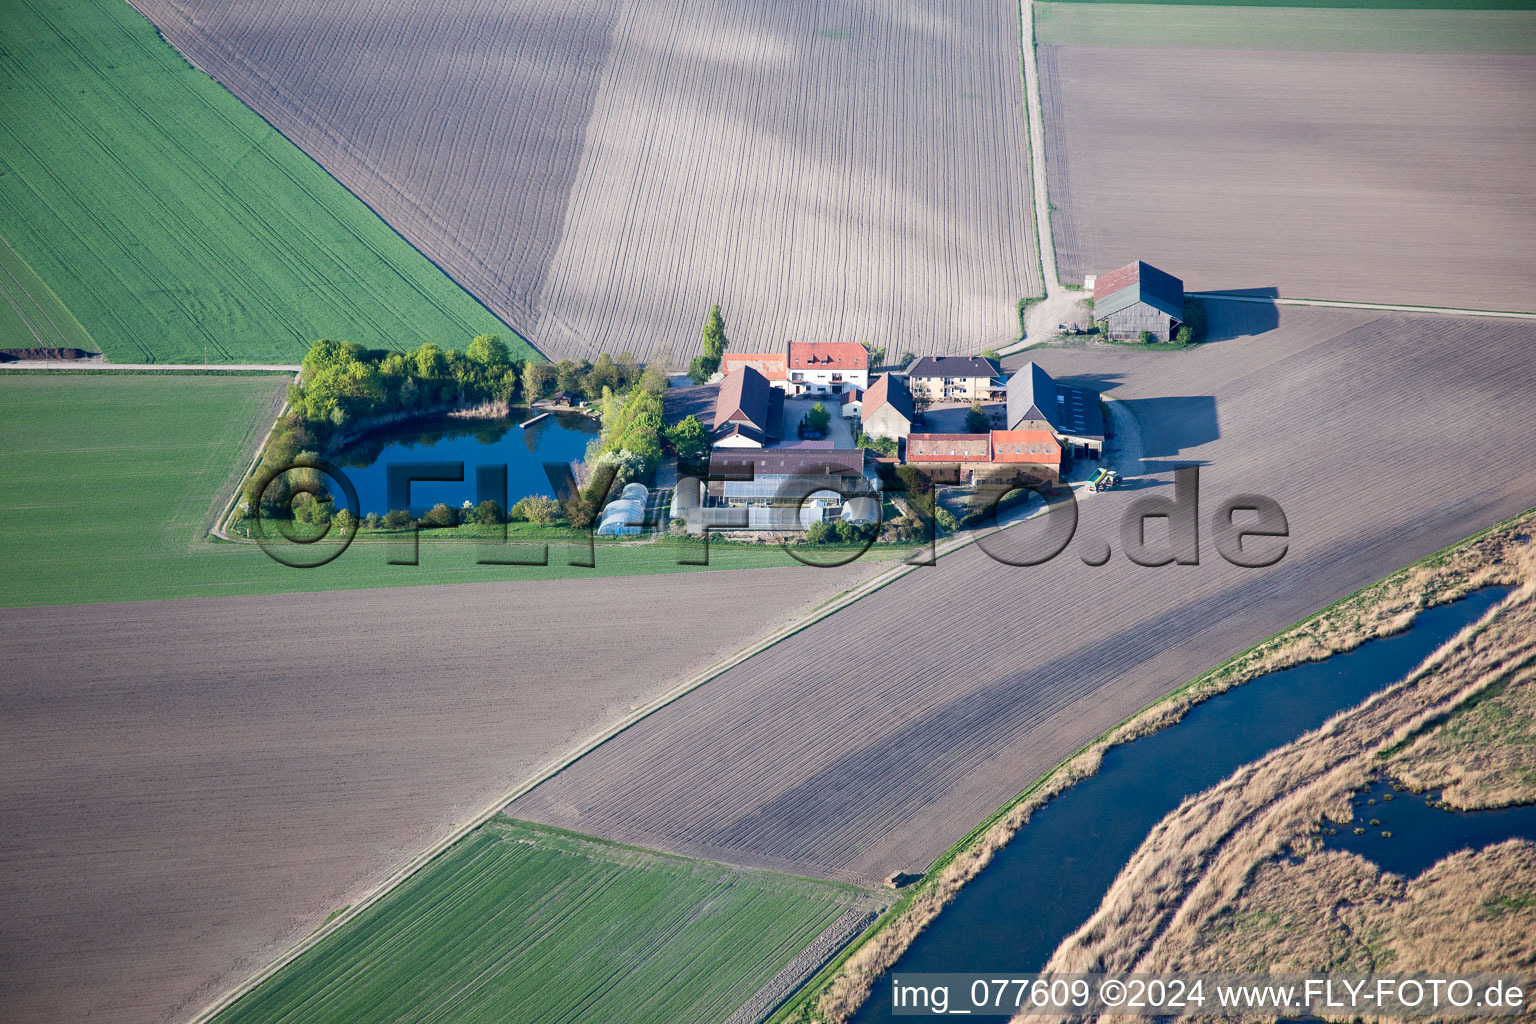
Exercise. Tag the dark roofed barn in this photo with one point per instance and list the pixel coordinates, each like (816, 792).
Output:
(1037, 402)
(1137, 298)
(747, 410)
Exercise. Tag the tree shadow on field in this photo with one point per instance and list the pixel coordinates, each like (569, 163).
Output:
(1241, 317)
(1174, 424)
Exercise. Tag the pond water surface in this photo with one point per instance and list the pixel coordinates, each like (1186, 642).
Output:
(1046, 882)
(1422, 833)
(558, 438)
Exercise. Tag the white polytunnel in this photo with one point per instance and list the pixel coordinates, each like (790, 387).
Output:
(861, 510)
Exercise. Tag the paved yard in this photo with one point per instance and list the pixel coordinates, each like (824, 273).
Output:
(949, 417)
(840, 432)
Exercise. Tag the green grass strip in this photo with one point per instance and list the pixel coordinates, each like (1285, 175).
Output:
(1337, 30)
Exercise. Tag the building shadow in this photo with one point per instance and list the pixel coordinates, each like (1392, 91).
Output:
(1174, 424)
(1092, 381)
(1248, 312)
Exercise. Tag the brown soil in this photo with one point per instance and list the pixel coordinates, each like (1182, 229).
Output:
(189, 787)
(600, 173)
(16, 355)
(870, 742)
(1367, 176)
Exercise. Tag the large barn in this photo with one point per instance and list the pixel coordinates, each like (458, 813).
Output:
(1137, 298)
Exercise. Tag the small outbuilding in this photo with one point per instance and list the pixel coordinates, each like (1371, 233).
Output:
(887, 408)
(686, 496)
(1139, 297)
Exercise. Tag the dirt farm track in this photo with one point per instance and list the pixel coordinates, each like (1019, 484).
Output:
(189, 787)
(1377, 177)
(871, 741)
(598, 173)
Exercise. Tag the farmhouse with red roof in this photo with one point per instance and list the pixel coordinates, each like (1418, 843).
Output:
(827, 367)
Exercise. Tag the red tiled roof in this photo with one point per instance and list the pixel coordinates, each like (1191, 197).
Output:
(770, 364)
(949, 448)
(827, 355)
(1036, 446)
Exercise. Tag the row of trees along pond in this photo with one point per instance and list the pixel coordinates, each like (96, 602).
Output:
(345, 387)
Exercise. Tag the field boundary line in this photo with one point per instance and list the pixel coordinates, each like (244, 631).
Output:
(544, 773)
(1346, 304)
(222, 519)
(562, 761)
(1111, 737)
(1035, 115)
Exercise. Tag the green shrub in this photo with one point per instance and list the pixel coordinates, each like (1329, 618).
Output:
(440, 515)
(818, 419)
(487, 513)
(537, 509)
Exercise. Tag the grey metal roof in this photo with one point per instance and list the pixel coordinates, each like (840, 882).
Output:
(1078, 413)
(1034, 394)
(1138, 282)
(1031, 395)
(954, 366)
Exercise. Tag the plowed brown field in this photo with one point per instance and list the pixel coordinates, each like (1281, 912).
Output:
(599, 174)
(874, 739)
(186, 788)
(1374, 177)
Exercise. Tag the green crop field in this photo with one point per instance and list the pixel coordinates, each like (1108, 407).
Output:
(108, 484)
(31, 316)
(175, 223)
(519, 922)
(1339, 30)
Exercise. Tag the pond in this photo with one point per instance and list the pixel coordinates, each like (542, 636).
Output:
(1422, 833)
(560, 437)
(1047, 881)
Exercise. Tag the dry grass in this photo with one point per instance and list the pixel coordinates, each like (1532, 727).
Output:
(1335, 911)
(1484, 756)
(600, 173)
(1367, 176)
(1379, 610)
(1194, 895)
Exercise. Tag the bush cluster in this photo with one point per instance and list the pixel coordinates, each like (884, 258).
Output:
(342, 380)
(579, 377)
(839, 532)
